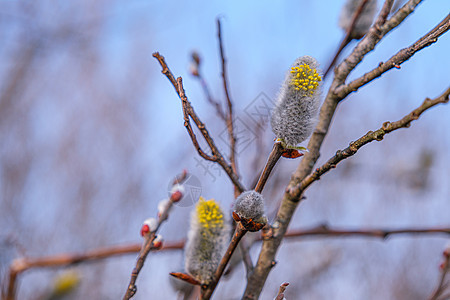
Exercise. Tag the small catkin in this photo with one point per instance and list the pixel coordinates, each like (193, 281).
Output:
(294, 115)
(250, 205)
(207, 240)
(364, 21)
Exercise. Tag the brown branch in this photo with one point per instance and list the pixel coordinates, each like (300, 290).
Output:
(208, 290)
(148, 243)
(229, 119)
(274, 156)
(189, 113)
(293, 195)
(347, 38)
(371, 136)
(325, 230)
(21, 265)
(246, 259)
(280, 295)
(445, 269)
(396, 60)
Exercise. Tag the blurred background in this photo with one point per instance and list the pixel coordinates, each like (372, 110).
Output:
(91, 136)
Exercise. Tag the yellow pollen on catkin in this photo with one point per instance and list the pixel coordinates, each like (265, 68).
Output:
(209, 214)
(304, 78)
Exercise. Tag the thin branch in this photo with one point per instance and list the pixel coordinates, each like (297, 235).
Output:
(244, 248)
(371, 136)
(229, 119)
(189, 113)
(208, 290)
(396, 60)
(347, 38)
(325, 230)
(148, 243)
(274, 156)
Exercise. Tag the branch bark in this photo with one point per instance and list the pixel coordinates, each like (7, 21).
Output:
(189, 113)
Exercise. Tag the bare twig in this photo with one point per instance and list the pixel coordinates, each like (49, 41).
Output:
(148, 243)
(280, 295)
(229, 118)
(208, 290)
(347, 38)
(188, 112)
(371, 136)
(274, 156)
(243, 247)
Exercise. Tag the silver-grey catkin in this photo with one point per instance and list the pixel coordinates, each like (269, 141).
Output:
(295, 112)
(250, 205)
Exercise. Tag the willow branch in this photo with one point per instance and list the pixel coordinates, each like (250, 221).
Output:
(148, 244)
(371, 136)
(189, 113)
(395, 61)
(274, 156)
(293, 194)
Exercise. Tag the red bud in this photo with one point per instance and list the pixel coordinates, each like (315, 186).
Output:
(176, 196)
(145, 229)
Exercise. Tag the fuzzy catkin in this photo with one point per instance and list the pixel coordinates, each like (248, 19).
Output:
(207, 240)
(294, 115)
(364, 21)
(250, 205)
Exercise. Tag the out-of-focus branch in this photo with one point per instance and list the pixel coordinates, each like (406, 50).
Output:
(189, 113)
(229, 119)
(21, 265)
(347, 38)
(150, 238)
(396, 60)
(325, 230)
(371, 136)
